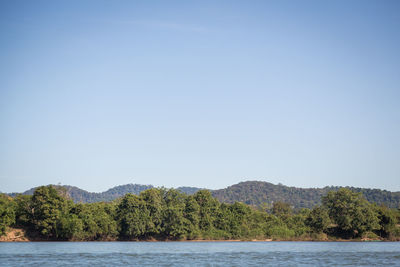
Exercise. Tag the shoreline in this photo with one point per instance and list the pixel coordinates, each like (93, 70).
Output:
(22, 240)
(20, 235)
(191, 241)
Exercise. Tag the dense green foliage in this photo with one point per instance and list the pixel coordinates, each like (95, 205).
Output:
(353, 214)
(318, 219)
(7, 213)
(252, 193)
(168, 214)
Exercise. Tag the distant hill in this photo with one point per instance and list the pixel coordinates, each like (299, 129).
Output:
(189, 190)
(254, 193)
(80, 195)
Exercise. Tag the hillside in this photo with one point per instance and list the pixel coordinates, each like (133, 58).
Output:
(254, 193)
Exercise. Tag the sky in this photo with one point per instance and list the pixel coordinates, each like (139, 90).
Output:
(199, 93)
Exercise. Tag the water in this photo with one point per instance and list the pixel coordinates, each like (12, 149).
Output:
(200, 253)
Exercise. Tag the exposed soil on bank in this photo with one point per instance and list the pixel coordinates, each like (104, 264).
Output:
(14, 235)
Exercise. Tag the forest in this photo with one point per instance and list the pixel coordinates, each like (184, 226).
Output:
(168, 214)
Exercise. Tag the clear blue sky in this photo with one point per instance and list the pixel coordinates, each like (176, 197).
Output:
(209, 93)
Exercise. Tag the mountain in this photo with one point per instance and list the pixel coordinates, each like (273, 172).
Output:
(257, 193)
(254, 193)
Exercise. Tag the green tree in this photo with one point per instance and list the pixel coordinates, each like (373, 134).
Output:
(98, 222)
(257, 224)
(239, 219)
(48, 210)
(7, 213)
(352, 213)
(281, 209)
(192, 214)
(154, 199)
(276, 228)
(318, 219)
(208, 208)
(174, 222)
(387, 221)
(296, 222)
(133, 217)
(23, 210)
(70, 227)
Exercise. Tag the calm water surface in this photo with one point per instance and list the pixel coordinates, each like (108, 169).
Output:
(200, 253)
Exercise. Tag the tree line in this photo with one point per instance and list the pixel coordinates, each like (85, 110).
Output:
(168, 214)
(254, 193)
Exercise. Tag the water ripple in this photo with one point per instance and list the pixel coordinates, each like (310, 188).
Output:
(204, 254)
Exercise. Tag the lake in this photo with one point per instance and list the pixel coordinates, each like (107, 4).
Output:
(200, 253)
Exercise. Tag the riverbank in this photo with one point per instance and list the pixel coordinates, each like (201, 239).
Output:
(14, 235)
(20, 235)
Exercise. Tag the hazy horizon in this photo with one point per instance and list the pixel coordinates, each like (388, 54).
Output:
(206, 94)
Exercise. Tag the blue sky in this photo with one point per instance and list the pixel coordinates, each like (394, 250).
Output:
(209, 93)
